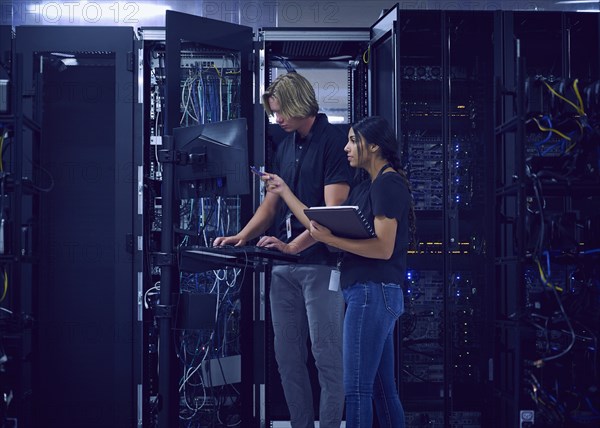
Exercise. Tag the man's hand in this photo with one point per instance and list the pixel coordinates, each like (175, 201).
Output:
(235, 240)
(274, 243)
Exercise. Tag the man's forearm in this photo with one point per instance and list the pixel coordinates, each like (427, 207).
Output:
(262, 218)
(257, 225)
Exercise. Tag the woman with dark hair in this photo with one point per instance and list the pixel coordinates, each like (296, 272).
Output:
(372, 270)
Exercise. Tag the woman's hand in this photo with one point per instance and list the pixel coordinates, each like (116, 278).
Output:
(274, 183)
(319, 232)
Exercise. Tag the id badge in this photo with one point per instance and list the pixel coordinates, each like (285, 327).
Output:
(288, 226)
(334, 280)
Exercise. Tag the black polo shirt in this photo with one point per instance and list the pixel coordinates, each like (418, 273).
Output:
(386, 196)
(307, 166)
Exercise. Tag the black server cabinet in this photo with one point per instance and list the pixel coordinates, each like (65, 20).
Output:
(85, 353)
(547, 199)
(467, 219)
(439, 66)
(196, 71)
(20, 190)
(446, 126)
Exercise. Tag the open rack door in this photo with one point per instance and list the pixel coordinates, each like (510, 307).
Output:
(208, 80)
(384, 90)
(210, 35)
(384, 62)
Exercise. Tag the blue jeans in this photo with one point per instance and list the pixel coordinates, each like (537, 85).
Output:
(302, 305)
(371, 313)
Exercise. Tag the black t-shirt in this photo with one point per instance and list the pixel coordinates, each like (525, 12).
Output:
(307, 166)
(386, 196)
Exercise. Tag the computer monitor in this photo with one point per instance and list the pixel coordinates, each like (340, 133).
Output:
(212, 159)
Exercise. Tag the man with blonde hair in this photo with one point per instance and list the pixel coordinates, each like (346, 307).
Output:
(312, 160)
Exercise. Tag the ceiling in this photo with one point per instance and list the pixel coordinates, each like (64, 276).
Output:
(252, 13)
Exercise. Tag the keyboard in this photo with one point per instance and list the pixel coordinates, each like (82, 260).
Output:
(197, 258)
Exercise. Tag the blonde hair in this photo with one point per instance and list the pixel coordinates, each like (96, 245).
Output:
(295, 95)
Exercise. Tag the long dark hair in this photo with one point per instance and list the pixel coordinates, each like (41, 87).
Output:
(376, 130)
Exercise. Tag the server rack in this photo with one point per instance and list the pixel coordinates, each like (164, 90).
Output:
(20, 192)
(80, 290)
(298, 47)
(195, 71)
(445, 127)
(546, 199)
(448, 102)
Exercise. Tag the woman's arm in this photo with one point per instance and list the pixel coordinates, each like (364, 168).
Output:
(334, 194)
(380, 247)
(275, 184)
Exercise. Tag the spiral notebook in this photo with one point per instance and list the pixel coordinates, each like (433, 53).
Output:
(346, 221)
